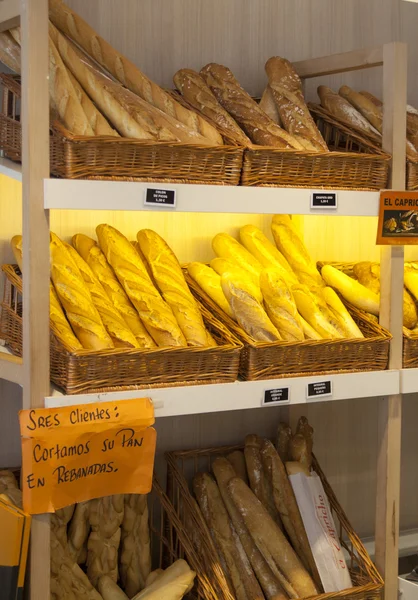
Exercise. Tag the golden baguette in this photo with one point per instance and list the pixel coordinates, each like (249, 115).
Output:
(340, 312)
(309, 332)
(125, 71)
(155, 313)
(316, 314)
(280, 305)
(225, 246)
(254, 240)
(271, 542)
(210, 282)
(224, 472)
(168, 275)
(116, 327)
(94, 257)
(252, 284)
(268, 105)
(291, 246)
(17, 249)
(248, 311)
(351, 290)
(76, 299)
(62, 328)
(63, 95)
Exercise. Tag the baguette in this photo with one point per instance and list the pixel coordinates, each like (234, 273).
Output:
(295, 467)
(96, 260)
(337, 308)
(125, 71)
(257, 125)
(284, 433)
(344, 111)
(306, 430)
(63, 96)
(237, 461)
(195, 91)
(254, 240)
(351, 290)
(372, 98)
(308, 331)
(268, 105)
(168, 275)
(260, 483)
(76, 299)
(97, 121)
(247, 310)
(225, 246)
(280, 305)
(271, 542)
(286, 504)
(110, 590)
(291, 246)
(364, 105)
(224, 472)
(318, 316)
(10, 54)
(300, 450)
(116, 327)
(250, 283)
(295, 117)
(173, 584)
(135, 553)
(155, 313)
(153, 576)
(244, 583)
(210, 282)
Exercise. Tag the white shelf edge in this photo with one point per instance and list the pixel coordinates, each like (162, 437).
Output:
(409, 381)
(10, 370)
(77, 194)
(11, 169)
(194, 400)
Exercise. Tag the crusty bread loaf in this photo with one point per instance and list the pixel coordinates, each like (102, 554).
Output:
(315, 311)
(268, 105)
(173, 584)
(256, 124)
(116, 327)
(294, 250)
(351, 290)
(307, 431)
(135, 552)
(63, 96)
(10, 52)
(210, 282)
(309, 331)
(295, 117)
(155, 313)
(265, 252)
(271, 542)
(247, 310)
(241, 575)
(225, 246)
(344, 111)
(110, 590)
(364, 105)
(168, 275)
(284, 433)
(248, 282)
(94, 257)
(339, 311)
(237, 460)
(125, 71)
(195, 91)
(76, 299)
(300, 450)
(372, 98)
(224, 472)
(62, 328)
(280, 305)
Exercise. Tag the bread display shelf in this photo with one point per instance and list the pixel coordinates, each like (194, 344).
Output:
(120, 369)
(107, 157)
(410, 339)
(260, 360)
(183, 465)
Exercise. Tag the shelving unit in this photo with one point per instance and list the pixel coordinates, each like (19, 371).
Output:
(42, 194)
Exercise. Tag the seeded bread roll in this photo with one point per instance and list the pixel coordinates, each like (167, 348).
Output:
(256, 124)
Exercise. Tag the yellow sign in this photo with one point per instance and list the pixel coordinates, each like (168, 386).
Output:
(75, 453)
(398, 218)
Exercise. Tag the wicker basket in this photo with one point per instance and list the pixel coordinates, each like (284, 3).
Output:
(120, 369)
(410, 339)
(182, 466)
(411, 175)
(353, 163)
(104, 157)
(271, 360)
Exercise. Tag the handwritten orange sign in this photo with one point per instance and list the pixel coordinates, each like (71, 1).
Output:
(75, 453)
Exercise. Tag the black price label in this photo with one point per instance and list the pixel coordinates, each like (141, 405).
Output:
(320, 388)
(276, 396)
(324, 200)
(162, 198)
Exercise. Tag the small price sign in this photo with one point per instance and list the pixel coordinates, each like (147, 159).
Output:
(398, 218)
(319, 389)
(277, 396)
(161, 198)
(324, 200)
(77, 453)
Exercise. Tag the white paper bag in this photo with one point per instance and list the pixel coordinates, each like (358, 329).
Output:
(322, 534)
